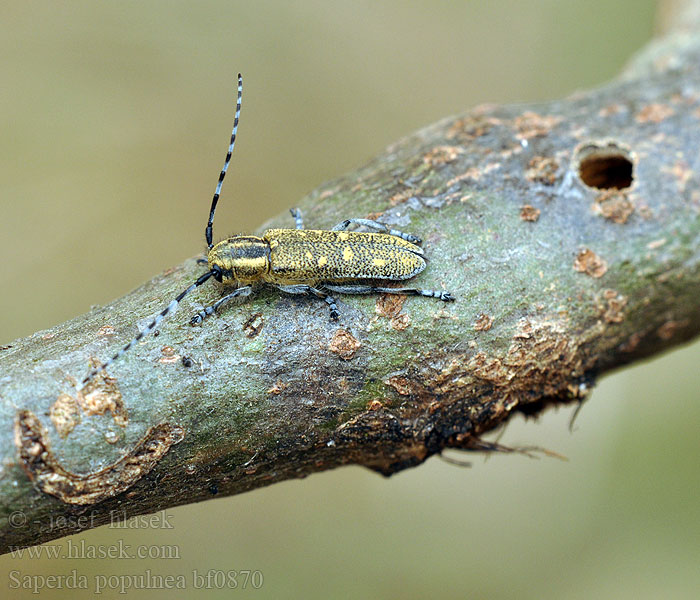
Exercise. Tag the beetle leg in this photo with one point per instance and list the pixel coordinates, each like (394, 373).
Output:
(298, 219)
(212, 308)
(370, 289)
(311, 291)
(377, 226)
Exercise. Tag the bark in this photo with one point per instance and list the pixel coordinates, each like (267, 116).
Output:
(567, 231)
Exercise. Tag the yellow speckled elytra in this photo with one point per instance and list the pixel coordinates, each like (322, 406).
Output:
(302, 261)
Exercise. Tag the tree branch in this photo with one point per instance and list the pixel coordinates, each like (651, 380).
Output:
(568, 232)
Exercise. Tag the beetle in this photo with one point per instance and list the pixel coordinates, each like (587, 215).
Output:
(301, 261)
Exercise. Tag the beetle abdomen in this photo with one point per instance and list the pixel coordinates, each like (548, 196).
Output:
(315, 255)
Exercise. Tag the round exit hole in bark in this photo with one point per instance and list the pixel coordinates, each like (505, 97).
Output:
(605, 166)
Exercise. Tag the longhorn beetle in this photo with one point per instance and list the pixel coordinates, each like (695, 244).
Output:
(301, 261)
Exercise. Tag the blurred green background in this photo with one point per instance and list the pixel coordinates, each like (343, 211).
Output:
(115, 119)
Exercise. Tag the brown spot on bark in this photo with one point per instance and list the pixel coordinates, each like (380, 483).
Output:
(644, 210)
(47, 474)
(524, 331)
(681, 171)
(344, 344)
(614, 205)
(401, 196)
(483, 322)
(542, 362)
(654, 113)
(530, 124)
(389, 305)
(473, 173)
(611, 109)
(669, 328)
(375, 405)
(277, 388)
(441, 155)
(65, 414)
(529, 213)
(400, 322)
(100, 395)
(656, 244)
(486, 367)
(631, 344)
(542, 169)
(590, 263)
(611, 305)
(253, 325)
(170, 355)
(470, 127)
(105, 330)
(111, 437)
(343, 385)
(402, 385)
(381, 428)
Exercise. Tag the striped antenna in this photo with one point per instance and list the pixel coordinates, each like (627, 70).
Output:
(151, 326)
(215, 200)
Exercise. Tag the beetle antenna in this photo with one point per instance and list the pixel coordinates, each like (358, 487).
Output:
(215, 200)
(152, 325)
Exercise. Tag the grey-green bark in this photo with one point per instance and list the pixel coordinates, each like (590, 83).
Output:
(556, 282)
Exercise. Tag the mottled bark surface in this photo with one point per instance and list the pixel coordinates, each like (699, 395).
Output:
(568, 232)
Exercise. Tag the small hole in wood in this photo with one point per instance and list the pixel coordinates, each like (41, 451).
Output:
(605, 167)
